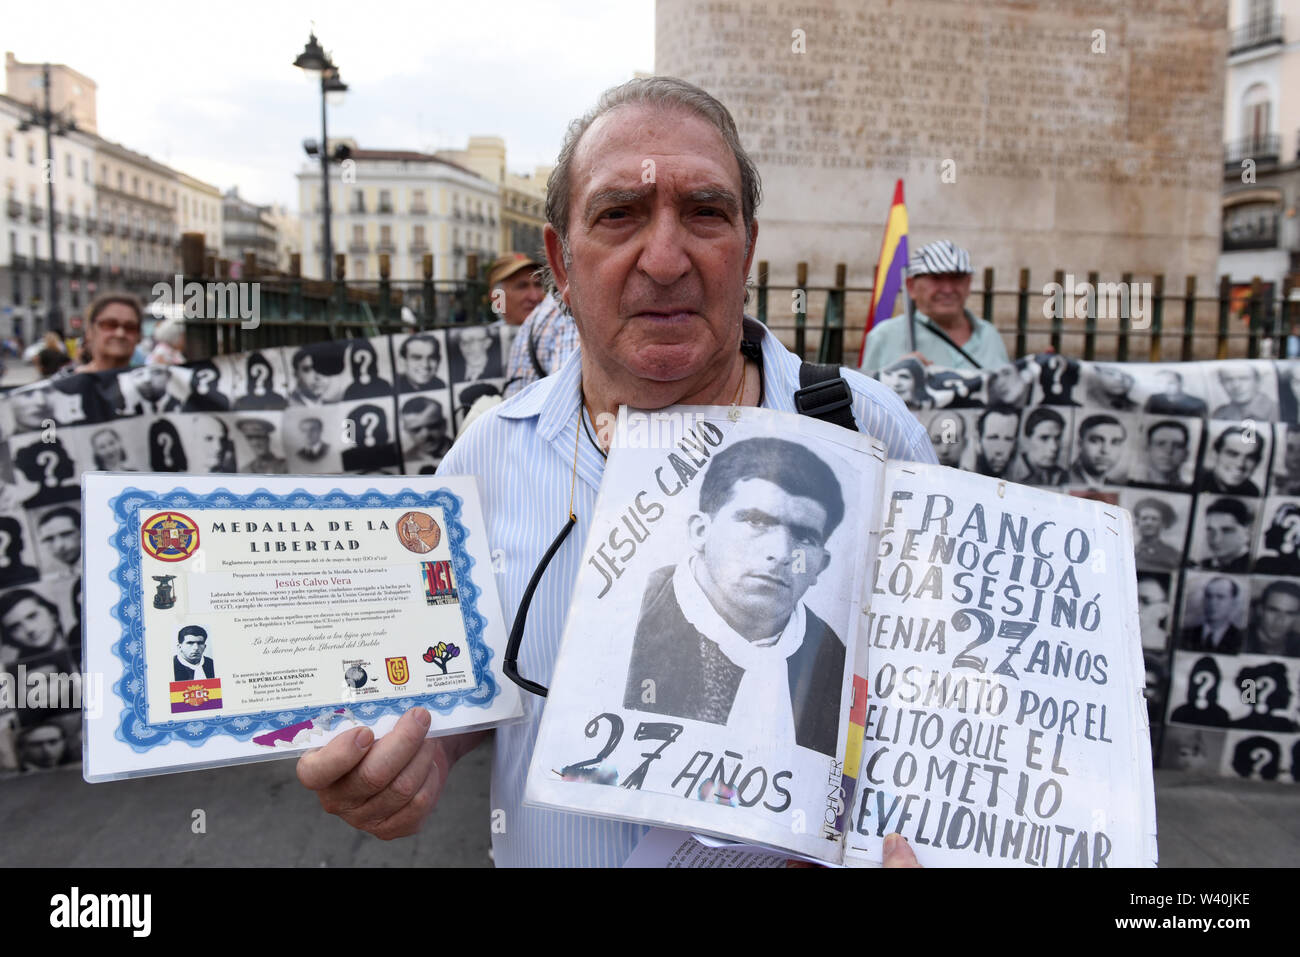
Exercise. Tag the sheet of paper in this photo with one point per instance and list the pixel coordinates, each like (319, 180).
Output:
(1005, 723)
(705, 677)
(236, 618)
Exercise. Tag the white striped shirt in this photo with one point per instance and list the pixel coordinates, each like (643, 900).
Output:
(522, 455)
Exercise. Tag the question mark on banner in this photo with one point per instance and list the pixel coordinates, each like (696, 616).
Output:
(203, 380)
(260, 374)
(369, 422)
(364, 359)
(1259, 759)
(1267, 686)
(1057, 365)
(165, 442)
(48, 459)
(5, 539)
(1203, 681)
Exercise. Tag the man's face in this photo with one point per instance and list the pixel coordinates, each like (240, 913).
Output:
(311, 430)
(760, 553)
(421, 364)
(44, 747)
(210, 440)
(191, 648)
(31, 408)
(1166, 450)
(260, 443)
(61, 537)
(524, 290)
(1219, 602)
(1043, 445)
(1007, 385)
(474, 345)
(656, 278)
(108, 449)
(1292, 456)
(113, 335)
(1278, 615)
(1101, 448)
(1225, 536)
(942, 297)
(1112, 381)
(427, 430)
(1150, 525)
(310, 382)
(1236, 460)
(948, 436)
(152, 381)
(1240, 384)
(998, 440)
(30, 623)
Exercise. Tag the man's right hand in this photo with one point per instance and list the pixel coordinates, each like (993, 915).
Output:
(386, 787)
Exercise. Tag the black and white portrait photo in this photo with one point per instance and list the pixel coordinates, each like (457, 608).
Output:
(1214, 613)
(1012, 384)
(208, 446)
(1159, 528)
(954, 389)
(1194, 751)
(723, 635)
(149, 390)
(1235, 458)
(1176, 393)
(34, 621)
(209, 388)
(258, 445)
(369, 442)
(1044, 450)
(1288, 390)
(1155, 608)
(950, 435)
(313, 437)
(1277, 551)
(464, 397)
(17, 562)
(109, 447)
(45, 471)
(318, 374)
(1222, 533)
(1101, 448)
(1111, 388)
(906, 378)
(426, 434)
(1274, 628)
(1255, 758)
(1165, 456)
(997, 430)
(58, 539)
(1264, 691)
(1241, 391)
(191, 662)
(475, 354)
(1285, 479)
(1058, 378)
(421, 363)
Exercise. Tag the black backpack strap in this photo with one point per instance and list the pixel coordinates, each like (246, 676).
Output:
(823, 394)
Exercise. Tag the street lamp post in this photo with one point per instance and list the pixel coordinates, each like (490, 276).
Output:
(53, 125)
(313, 60)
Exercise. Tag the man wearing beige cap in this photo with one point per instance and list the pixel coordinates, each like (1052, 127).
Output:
(946, 333)
(515, 287)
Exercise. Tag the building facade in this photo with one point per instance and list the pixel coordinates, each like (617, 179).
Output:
(403, 203)
(72, 94)
(139, 241)
(522, 197)
(25, 236)
(199, 210)
(1261, 193)
(247, 228)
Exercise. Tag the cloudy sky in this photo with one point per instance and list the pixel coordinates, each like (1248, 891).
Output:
(211, 88)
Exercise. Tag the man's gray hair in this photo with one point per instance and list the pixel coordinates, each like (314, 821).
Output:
(664, 92)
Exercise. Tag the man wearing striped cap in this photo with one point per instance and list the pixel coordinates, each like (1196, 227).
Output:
(947, 334)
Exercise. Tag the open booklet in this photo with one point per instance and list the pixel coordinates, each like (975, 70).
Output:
(780, 637)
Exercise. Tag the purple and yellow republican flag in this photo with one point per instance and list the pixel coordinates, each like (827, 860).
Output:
(201, 694)
(891, 268)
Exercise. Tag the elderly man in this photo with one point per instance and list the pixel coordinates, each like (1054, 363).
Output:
(947, 333)
(1246, 399)
(1217, 631)
(654, 274)
(515, 287)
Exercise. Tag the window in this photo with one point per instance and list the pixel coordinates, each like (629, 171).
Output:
(358, 269)
(1255, 113)
(121, 184)
(385, 199)
(149, 189)
(9, 147)
(67, 166)
(135, 185)
(386, 235)
(358, 234)
(31, 154)
(419, 236)
(85, 171)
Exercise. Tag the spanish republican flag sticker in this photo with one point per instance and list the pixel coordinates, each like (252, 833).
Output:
(203, 694)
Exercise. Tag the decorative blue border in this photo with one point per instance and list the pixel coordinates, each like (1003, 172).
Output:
(136, 731)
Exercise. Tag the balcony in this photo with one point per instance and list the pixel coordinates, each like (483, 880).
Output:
(139, 232)
(1261, 149)
(91, 224)
(14, 209)
(1257, 33)
(455, 214)
(357, 209)
(419, 246)
(385, 246)
(36, 213)
(385, 209)
(58, 219)
(1256, 232)
(74, 223)
(419, 209)
(458, 250)
(492, 220)
(358, 247)
(17, 261)
(109, 227)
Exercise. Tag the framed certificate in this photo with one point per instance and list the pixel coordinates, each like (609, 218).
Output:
(238, 618)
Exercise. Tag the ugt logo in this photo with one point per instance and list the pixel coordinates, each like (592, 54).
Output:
(398, 672)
